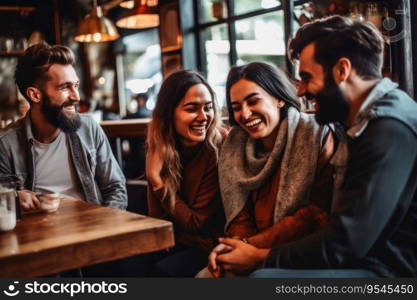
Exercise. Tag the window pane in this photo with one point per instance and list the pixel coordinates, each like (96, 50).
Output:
(142, 66)
(261, 38)
(206, 11)
(245, 6)
(303, 13)
(217, 46)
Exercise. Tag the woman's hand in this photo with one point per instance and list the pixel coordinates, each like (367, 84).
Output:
(243, 258)
(153, 169)
(215, 269)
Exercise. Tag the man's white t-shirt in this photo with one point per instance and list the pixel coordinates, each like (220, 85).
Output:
(54, 170)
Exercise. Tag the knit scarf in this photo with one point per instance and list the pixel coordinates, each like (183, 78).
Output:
(244, 169)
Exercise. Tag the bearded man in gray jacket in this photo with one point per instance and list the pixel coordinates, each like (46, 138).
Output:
(54, 149)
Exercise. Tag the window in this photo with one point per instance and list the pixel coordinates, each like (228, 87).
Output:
(217, 49)
(236, 32)
(245, 6)
(142, 66)
(261, 38)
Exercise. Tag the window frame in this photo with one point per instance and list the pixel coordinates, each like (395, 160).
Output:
(230, 21)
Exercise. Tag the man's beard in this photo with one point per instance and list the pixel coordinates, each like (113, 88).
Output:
(55, 115)
(332, 103)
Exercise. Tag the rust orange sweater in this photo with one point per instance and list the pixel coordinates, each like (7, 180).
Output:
(198, 215)
(256, 220)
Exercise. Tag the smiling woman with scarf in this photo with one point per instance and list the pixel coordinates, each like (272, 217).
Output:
(274, 171)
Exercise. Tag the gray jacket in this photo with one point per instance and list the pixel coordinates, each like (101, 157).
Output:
(100, 176)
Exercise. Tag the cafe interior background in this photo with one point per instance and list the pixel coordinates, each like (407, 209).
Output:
(125, 48)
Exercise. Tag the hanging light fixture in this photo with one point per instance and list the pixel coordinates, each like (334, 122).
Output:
(143, 15)
(127, 4)
(96, 28)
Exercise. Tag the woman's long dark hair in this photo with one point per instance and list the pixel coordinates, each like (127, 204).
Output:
(268, 77)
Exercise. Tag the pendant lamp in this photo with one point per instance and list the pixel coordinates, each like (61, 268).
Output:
(127, 4)
(96, 28)
(143, 15)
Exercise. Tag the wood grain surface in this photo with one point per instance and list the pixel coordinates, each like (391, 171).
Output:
(77, 235)
(132, 127)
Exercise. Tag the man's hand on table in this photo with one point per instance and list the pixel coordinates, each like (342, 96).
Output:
(28, 200)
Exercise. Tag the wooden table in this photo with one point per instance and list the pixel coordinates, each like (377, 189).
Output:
(130, 127)
(124, 128)
(77, 235)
